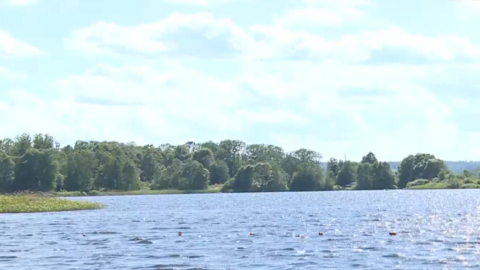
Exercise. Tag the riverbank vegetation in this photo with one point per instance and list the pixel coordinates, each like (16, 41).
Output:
(142, 191)
(30, 203)
(39, 163)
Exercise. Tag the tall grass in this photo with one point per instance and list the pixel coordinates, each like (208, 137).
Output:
(27, 202)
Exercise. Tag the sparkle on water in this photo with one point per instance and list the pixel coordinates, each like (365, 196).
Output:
(436, 230)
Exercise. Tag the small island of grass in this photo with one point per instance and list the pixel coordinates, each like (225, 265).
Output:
(36, 203)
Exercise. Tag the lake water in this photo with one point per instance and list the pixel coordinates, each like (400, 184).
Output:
(436, 230)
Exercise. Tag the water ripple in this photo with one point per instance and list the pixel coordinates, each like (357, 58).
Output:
(435, 230)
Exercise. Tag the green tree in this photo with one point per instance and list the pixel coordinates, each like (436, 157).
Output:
(382, 176)
(257, 153)
(131, 177)
(43, 141)
(205, 157)
(21, 145)
(346, 174)
(419, 166)
(218, 172)
(308, 177)
(289, 164)
(279, 179)
(230, 151)
(40, 164)
(36, 170)
(364, 176)
(80, 171)
(370, 158)
(7, 146)
(333, 166)
(160, 178)
(196, 175)
(243, 179)
(7, 172)
(262, 176)
(151, 157)
(307, 156)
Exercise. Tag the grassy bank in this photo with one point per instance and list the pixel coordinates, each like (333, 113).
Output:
(446, 184)
(440, 185)
(36, 203)
(145, 191)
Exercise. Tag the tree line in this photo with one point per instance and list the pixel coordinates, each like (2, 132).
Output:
(39, 163)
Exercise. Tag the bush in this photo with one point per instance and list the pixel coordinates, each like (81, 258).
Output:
(436, 180)
(94, 193)
(418, 182)
(337, 187)
(469, 181)
(469, 186)
(453, 183)
(228, 186)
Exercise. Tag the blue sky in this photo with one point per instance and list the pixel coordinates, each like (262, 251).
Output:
(336, 76)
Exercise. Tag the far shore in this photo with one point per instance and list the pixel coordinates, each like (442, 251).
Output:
(212, 190)
(133, 192)
(26, 204)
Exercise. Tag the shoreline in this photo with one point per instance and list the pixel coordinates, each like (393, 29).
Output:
(145, 192)
(39, 202)
(179, 192)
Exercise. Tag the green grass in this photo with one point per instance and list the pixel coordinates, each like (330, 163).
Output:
(145, 191)
(30, 203)
(455, 184)
(470, 186)
(432, 185)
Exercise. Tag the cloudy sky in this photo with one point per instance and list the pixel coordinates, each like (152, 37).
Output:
(336, 76)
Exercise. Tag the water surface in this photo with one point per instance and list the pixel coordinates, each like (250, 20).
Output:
(436, 230)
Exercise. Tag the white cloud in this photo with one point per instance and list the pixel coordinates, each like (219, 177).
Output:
(203, 35)
(10, 47)
(161, 99)
(18, 2)
(139, 103)
(198, 2)
(338, 4)
(8, 74)
(325, 110)
(466, 9)
(389, 109)
(309, 16)
(174, 104)
(324, 12)
(271, 117)
(155, 38)
(280, 42)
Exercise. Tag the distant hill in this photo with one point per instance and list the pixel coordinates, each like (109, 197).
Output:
(454, 166)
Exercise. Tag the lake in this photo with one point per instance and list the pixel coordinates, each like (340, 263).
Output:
(437, 229)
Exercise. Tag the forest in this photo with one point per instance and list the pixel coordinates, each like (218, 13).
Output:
(40, 163)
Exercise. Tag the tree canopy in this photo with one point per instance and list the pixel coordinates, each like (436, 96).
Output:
(39, 163)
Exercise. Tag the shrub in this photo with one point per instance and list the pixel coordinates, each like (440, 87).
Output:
(418, 182)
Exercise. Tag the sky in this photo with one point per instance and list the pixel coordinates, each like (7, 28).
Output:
(341, 77)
